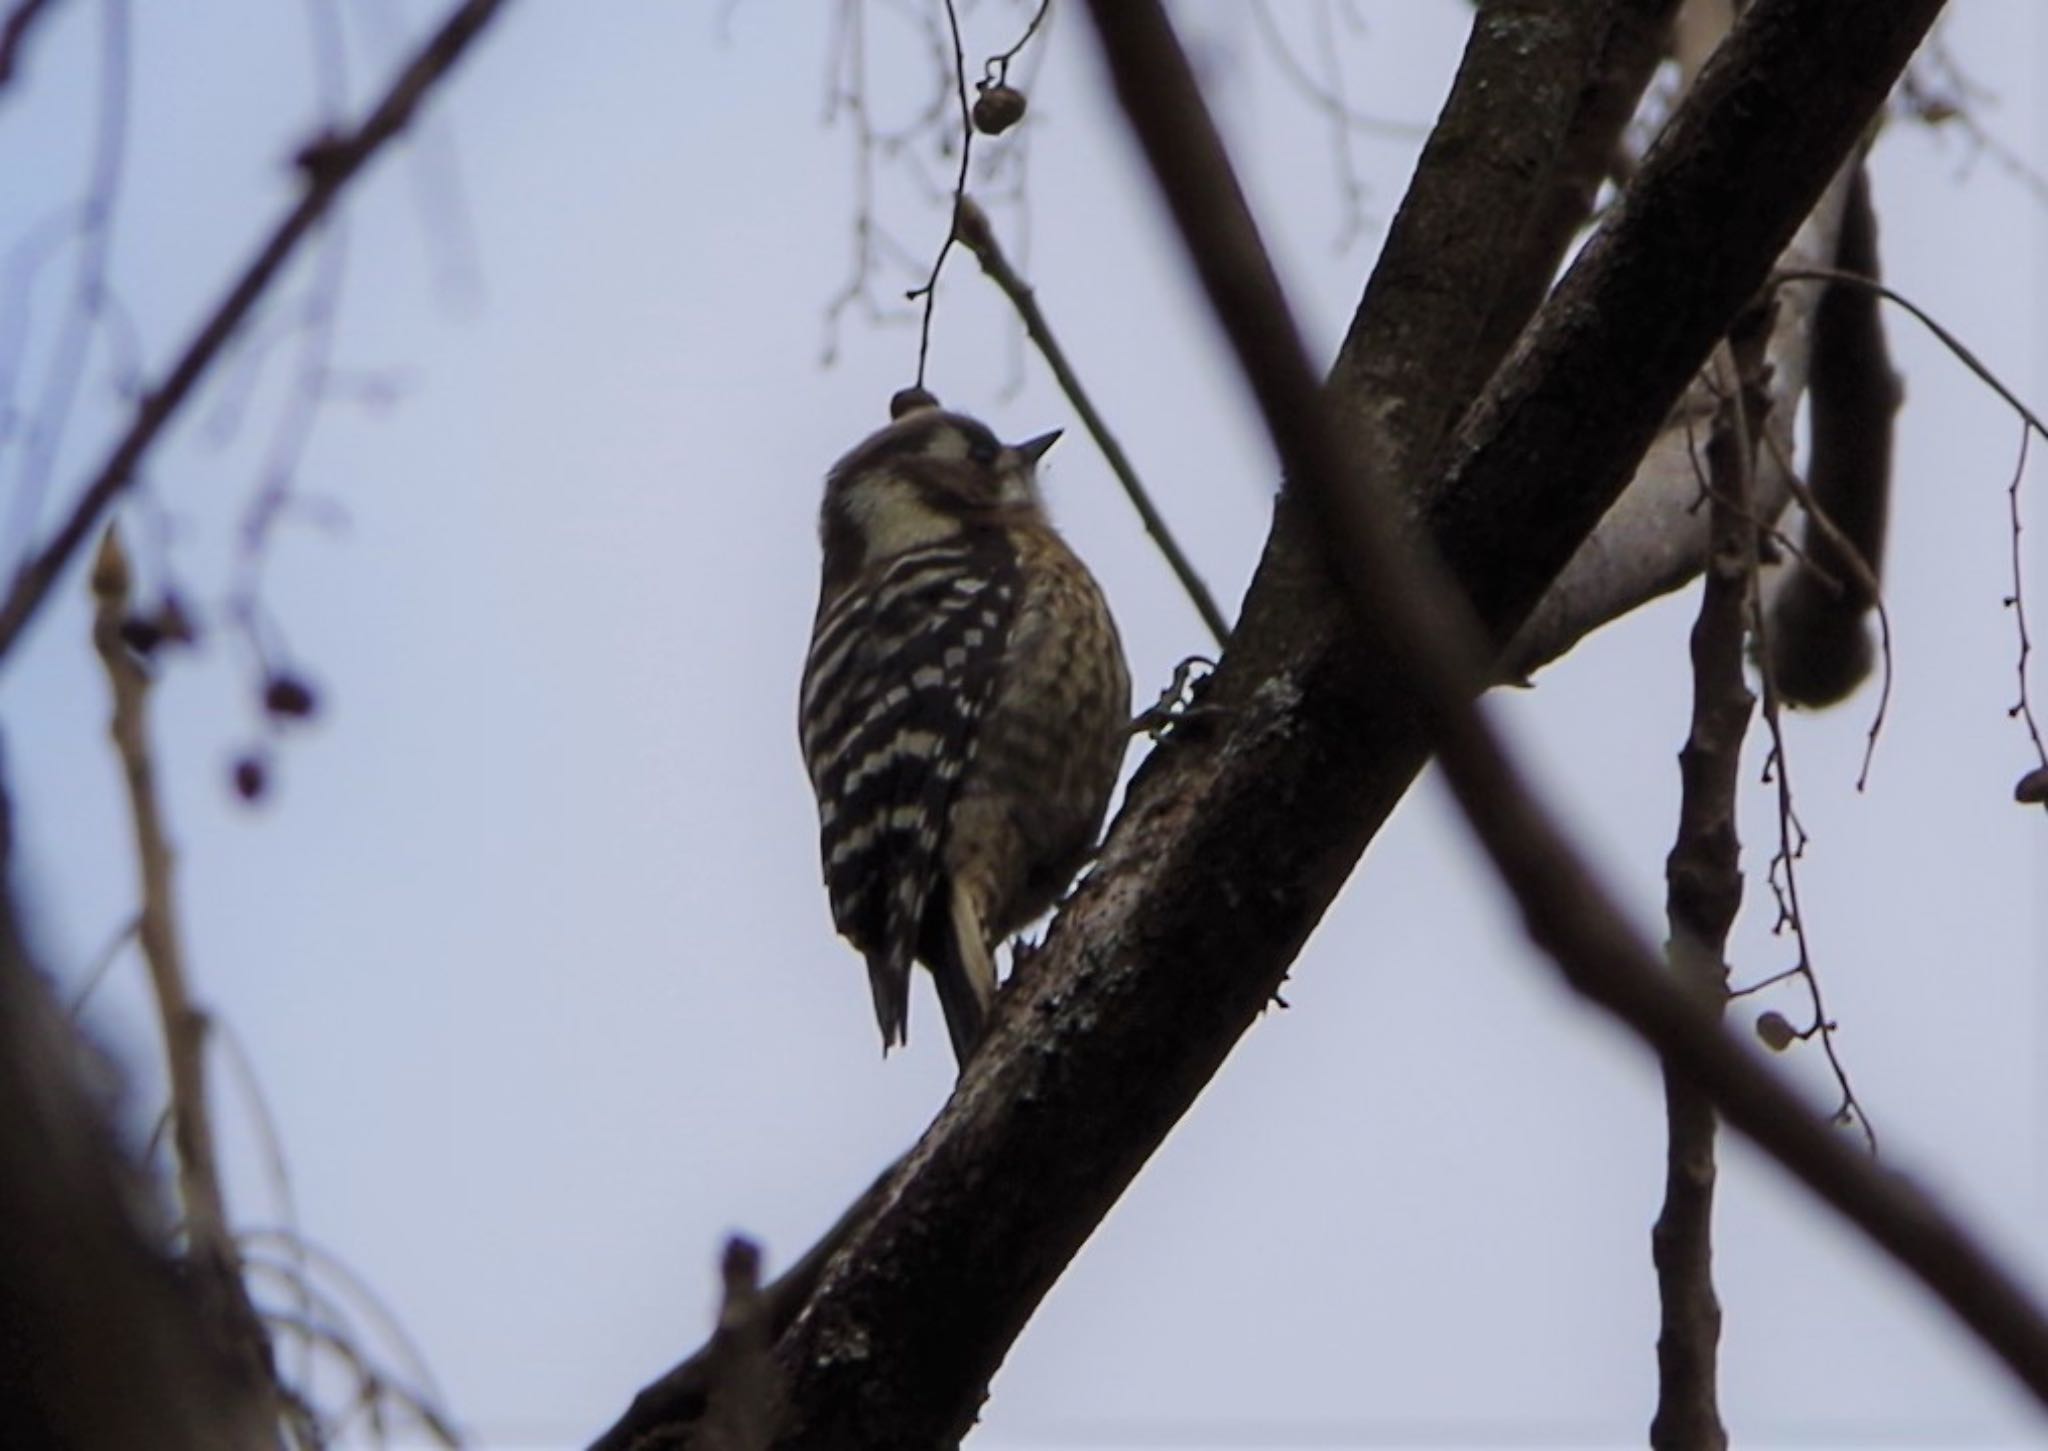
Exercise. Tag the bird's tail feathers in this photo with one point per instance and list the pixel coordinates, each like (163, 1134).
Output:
(965, 974)
(889, 980)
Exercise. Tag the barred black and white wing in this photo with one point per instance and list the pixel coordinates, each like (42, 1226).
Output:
(903, 663)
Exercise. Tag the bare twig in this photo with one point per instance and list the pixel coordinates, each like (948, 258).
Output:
(1847, 557)
(329, 166)
(1327, 94)
(183, 1022)
(971, 227)
(210, 1250)
(274, 495)
(374, 1390)
(1563, 907)
(846, 91)
(930, 290)
(682, 1394)
(90, 298)
(745, 1388)
(434, 166)
(283, 1202)
(996, 69)
(1948, 339)
(102, 963)
(2015, 601)
(1782, 874)
(1783, 878)
(1703, 877)
(1937, 93)
(307, 1258)
(1324, 95)
(1766, 528)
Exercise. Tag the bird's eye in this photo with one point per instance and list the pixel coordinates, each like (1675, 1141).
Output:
(984, 450)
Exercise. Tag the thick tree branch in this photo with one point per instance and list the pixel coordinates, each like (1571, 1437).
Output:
(1242, 826)
(1613, 88)
(1791, 90)
(329, 164)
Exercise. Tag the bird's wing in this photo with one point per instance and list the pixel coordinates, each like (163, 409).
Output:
(901, 667)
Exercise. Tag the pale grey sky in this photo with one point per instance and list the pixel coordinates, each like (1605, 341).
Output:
(528, 946)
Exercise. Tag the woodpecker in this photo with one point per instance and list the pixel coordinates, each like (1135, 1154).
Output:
(964, 708)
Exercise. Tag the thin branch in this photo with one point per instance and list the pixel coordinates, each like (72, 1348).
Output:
(374, 1389)
(1948, 339)
(2016, 601)
(971, 227)
(1709, 494)
(1783, 877)
(1938, 94)
(1327, 95)
(746, 1388)
(930, 290)
(275, 495)
(210, 1251)
(1323, 95)
(271, 1141)
(1703, 877)
(1440, 652)
(90, 294)
(1848, 557)
(183, 1023)
(313, 326)
(305, 1256)
(682, 1394)
(102, 963)
(996, 69)
(329, 165)
(846, 91)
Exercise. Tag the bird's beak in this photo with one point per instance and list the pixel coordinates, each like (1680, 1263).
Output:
(1034, 448)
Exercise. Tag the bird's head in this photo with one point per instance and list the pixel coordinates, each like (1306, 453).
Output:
(928, 476)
